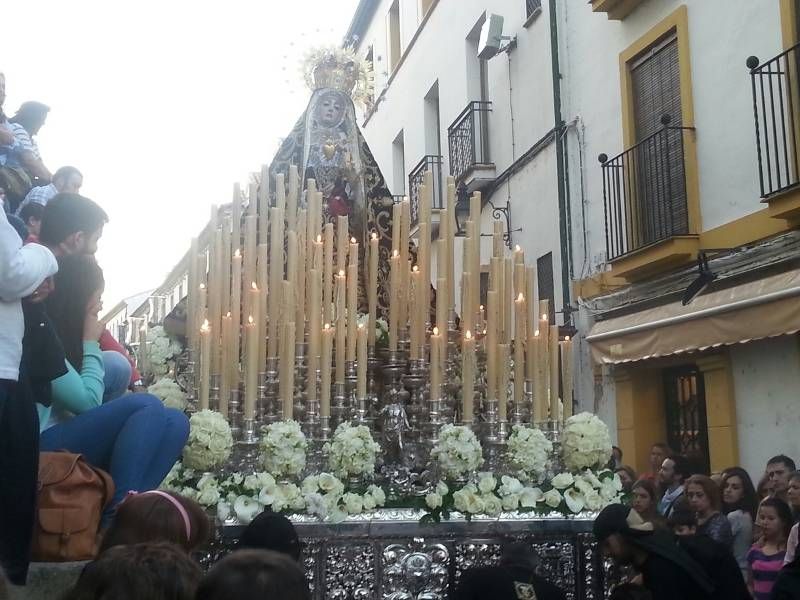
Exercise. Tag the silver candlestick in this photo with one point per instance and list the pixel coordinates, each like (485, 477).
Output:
(213, 391)
(235, 413)
(271, 391)
(247, 455)
(350, 383)
(338, 410)
(300, 374)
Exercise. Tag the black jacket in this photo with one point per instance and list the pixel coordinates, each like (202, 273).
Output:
(505, 583)
(787, 586)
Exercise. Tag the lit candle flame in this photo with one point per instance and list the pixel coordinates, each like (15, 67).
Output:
(205, 327)
(566, 338)
(250, 319)
(544, 316)
(353, 240)
(536, 333)
(480, 307)
(374, 236)
(237, 253)
(327, 326)
(229, 314)
(435, 331)
(254, 286)
(468, 335)
(395, 253)
(517, 248)
(415, 268)
(520, 297)
(202, 286)
(361, 326)
(341, 273)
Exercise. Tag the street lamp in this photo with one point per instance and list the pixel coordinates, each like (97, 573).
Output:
(462, 215)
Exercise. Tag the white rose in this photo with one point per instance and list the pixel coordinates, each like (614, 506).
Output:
(327, 482)
(575, 500)
(491, 505)
(562, 481)
(316, 505)
(475, 504)
(353, 503)
(267, 495)
(486, 483)
(594, 501)
(246, 509)
(377, 494)
(223, 510)
(511, 502)
(442, 489)
(369, 502)
(552, 498)
(590, 477)
(208, 497)
(258, 481)
(530, 497)
(510, 486)
(460, 498)
(433, 500)
(583, 486)
(310, 484)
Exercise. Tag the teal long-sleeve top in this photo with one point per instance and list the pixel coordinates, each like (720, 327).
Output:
(75, 393)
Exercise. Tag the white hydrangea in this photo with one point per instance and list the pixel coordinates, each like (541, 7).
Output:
(458, 451)
(284, 445)
(210, 441)
(586, 442)
(529, 450)
(352, 451)
(169, 392)
(160, 350)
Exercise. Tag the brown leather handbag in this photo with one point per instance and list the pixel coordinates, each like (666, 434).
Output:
(72, 496)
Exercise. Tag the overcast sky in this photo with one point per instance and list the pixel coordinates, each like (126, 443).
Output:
(162, 105)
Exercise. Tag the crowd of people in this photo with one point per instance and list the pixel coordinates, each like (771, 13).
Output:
(690, 535)
(65, 383)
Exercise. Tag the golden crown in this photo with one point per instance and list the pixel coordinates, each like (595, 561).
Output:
(339, 69)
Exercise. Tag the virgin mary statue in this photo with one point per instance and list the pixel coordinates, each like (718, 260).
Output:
(327, 146)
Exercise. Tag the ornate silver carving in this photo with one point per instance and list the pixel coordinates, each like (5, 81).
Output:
(415, 571)
(350, 572)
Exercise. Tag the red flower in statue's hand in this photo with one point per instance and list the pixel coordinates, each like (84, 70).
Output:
(338, 206)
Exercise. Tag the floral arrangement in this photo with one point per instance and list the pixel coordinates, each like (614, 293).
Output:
(161, 351)
(284, 445)
(585, 443)
(381, 329)
(529, 451)
(244, 497)
(210, 441)
(169, 392)
(566, 493)
(352, 451)
(457, 452)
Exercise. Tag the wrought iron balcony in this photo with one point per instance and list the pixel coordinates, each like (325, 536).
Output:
(776, 100)
(429, 162)
(468, 138)
(644, 193)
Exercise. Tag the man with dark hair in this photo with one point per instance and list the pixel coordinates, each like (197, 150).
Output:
(26, 124)
(72, 224)
(514, 578)
(658, 452)
(31, 215)
(67, 179)
(272, 531)
(674, 471)
(668, 572)
(779, 469)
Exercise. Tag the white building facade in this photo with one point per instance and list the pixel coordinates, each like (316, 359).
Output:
(490, 123)
(704, 185)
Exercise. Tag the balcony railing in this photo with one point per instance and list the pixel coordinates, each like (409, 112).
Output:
(644, 193)
(532, 6)
(429, 162)
(776, 95)
(468, 138)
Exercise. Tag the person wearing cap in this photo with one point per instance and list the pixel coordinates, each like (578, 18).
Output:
(513, 579)
(668, 572)
(271, 531)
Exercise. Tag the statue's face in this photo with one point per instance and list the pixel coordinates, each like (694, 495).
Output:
(330, 110)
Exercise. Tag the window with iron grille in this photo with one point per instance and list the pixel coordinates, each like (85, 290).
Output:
(544, 272)
(656, 86)
(532, 6)
(687, 421)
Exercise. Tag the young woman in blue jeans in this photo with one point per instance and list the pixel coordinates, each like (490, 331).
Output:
(133, 437)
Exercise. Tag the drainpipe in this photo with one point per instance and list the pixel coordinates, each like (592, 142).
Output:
(561, 167)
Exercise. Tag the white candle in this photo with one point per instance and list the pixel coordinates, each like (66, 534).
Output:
(325, 371)
(361, 362)
(567, 374)
(205, 363)
(436, 364)
(372, 282)
(341, 326)
(286, 381)
(468, 378)
(251, 368)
